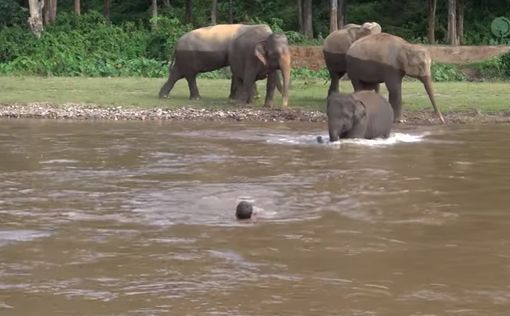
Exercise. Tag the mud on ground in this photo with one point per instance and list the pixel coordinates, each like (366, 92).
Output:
(72, 111)
(311, 57)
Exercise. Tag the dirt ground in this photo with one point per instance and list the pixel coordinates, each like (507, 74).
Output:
(311, 56)
(74, 111)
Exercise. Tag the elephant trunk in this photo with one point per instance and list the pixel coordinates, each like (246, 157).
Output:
(334, 131)
(427, 82)
(285, 68)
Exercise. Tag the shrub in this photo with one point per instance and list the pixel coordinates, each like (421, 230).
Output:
(444, 72)
(88, 45)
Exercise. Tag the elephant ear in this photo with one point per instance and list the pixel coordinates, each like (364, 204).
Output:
(354, 32)
(260, 52)
(360, 111)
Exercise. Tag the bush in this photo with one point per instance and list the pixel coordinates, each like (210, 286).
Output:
(88, 45)
(444, 72)
(11, 13)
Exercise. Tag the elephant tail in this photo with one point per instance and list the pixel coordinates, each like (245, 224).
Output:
(172, 63)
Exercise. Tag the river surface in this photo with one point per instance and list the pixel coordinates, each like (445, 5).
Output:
(137, 218)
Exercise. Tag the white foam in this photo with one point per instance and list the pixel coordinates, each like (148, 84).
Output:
(395, 138)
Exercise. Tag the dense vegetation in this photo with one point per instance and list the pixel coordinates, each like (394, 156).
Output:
(126, 43)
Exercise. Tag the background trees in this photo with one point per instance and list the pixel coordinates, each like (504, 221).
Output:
(444, 21)
(136, 37)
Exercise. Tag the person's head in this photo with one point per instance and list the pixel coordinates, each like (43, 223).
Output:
(244, 210)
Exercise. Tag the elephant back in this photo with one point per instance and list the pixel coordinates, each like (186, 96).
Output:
(213, 38)
(382, 48)
(338, 41)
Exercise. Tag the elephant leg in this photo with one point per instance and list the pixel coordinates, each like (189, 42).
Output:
(232, 95)
(377, 87)
(357, 85)
(174, 75)
(395, 97)
(254, 91)
(193, 89)
(335, 81)
(248, 82)
(271, 85)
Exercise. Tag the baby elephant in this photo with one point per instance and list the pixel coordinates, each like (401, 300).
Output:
(362, 114)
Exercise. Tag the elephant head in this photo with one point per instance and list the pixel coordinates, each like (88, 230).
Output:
(416, 62)
(274, 53)
(344, 112)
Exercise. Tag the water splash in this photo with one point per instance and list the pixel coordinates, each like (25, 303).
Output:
(395, 138)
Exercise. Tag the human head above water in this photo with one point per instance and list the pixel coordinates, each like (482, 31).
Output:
(244, 210)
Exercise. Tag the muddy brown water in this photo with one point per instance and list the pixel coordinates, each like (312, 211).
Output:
(134, 218)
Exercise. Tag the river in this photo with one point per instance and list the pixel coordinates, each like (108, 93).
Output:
(137, 218)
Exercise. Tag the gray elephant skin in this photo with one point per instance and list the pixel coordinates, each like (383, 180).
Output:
(388, 58)
(258, 54)
(363, 114)
(336, 45)
(202, 50)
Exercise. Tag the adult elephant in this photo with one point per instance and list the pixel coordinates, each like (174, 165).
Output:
(362, 114)
(388, 58)
(202, 50)
(258, 54)
(336, 45)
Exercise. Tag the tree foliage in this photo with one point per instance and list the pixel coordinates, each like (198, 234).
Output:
(92, 44)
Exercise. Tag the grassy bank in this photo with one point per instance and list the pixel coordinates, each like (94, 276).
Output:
(142, 92)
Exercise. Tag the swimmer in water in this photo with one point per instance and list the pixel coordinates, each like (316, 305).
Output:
(244, 210)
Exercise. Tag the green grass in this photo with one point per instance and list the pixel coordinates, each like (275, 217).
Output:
(142, 92)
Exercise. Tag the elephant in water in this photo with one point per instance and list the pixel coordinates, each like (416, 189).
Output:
(202, 50)
(258, 54)
(388, 58)
(363, 114)
(336, 45)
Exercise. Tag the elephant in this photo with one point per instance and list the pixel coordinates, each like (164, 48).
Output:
(336, 45)
(202, 50)
(258, 54)
(362, 114)
(388, 58)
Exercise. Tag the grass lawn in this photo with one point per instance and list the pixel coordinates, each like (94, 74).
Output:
(142, 92)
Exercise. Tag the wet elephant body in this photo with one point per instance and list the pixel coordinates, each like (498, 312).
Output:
(255, 55)
(336, 45)
(385, 58)
(202, 50)
(362, 114)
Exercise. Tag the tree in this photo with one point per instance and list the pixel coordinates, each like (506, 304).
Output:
(77, 7)
(214, 12)
(333, 16)
(431, 25)
(307, 18)
(341, 13)
(188, 17)
(36, 16)
(300, 16)
(452, 23)
(460, 21)
(154, 9)
(106, 9)
(230, 13)
(50, 11)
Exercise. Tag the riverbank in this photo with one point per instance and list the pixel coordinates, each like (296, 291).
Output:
(136, 99)
(70, 111)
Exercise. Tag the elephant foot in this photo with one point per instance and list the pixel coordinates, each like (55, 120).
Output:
(400, 121)
(268, 105)
(195, 98)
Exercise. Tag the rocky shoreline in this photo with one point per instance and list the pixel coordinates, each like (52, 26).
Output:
(73, 111)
